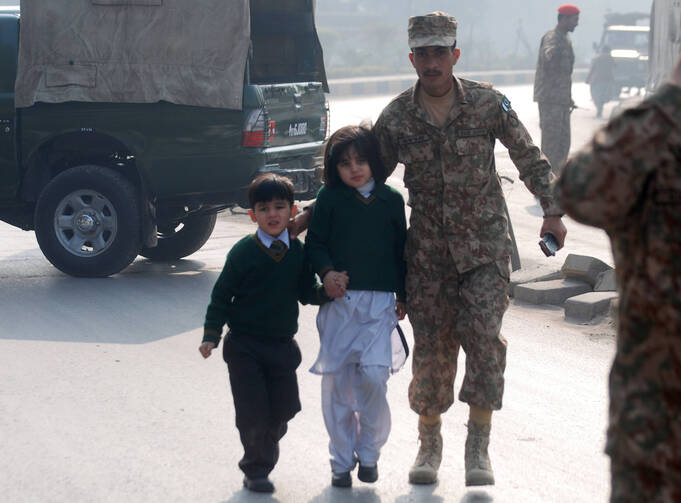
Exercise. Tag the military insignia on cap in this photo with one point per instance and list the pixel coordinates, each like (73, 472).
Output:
(506, 104)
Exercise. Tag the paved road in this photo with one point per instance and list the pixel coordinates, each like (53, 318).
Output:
(104, 397)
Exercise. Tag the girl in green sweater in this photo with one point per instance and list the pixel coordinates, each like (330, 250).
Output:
(358, 228)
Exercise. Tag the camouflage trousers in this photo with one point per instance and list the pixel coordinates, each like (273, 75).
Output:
(644, 437)
(638, 484)
(449, 310)
(554, 122)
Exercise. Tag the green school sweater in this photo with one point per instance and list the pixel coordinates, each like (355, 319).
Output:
(363, 236)
(257, 295)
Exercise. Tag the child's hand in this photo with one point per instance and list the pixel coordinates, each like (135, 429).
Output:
(335, 283)
(400, 310)
(206, 349)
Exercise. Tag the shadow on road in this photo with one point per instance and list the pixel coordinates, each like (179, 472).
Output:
(421, 493)
(245, 496)
(477, 497)
(147, 302)
(345, 495)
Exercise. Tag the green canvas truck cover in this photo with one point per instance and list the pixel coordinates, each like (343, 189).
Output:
(189, 52)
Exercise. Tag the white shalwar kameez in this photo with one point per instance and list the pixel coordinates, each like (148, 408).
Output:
(355, 359)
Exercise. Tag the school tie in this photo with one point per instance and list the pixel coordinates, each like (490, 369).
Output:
(278, 249)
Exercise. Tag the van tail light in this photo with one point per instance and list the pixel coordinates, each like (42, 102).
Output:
(324, 123)
(257, 129)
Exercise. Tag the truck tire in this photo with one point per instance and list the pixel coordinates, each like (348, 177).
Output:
(87, 222)
(179, 240)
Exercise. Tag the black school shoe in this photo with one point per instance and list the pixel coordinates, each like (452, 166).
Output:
(341, 479)
(367, 473)
(259, 485)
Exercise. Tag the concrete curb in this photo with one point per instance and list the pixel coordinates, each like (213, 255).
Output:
(588, 305)
(554, 292)
(395, 84)
(575, 292)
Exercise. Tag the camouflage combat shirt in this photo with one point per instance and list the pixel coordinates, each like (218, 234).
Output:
(628, 182)
(450, 172)
(553, 76)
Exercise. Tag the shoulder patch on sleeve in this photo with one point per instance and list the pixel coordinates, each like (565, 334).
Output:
(506, 104)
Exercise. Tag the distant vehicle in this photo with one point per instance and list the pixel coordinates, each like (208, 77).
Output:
(629, 48)
(628, 41)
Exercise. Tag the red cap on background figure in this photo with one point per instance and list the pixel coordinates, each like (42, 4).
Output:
(568, 9)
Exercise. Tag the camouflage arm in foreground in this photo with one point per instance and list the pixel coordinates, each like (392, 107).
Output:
(603, 182)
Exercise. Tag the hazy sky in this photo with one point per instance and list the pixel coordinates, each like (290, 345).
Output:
(499, 20)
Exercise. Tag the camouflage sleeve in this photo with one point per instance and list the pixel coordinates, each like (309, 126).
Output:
(550, 46)
(601, 184)
(386, 143)
(534, 169)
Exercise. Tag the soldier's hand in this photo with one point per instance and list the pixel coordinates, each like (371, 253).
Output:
(555, 226)
(298, 223)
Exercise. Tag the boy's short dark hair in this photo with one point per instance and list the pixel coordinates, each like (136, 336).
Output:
(268, 187)
(366, 145)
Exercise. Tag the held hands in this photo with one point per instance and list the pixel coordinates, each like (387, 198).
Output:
(400, 310)
(335, 283)
(206, 349)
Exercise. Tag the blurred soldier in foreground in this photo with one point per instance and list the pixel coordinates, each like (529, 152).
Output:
(458, 247)
(628, 182)
(601, 78)
(553, 86)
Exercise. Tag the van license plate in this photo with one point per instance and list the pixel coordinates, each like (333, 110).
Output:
(297, 129)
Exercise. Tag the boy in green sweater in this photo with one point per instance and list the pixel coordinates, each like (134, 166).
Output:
(257, 296)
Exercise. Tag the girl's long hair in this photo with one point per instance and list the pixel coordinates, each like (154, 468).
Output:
(365, 144)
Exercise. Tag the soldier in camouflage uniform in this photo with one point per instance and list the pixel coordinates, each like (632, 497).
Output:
(553, 87)
(443, 130)
(628, 182)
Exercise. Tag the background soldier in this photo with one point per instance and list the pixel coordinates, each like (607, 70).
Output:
(553, 86)
(628, 182)
(601, 78)
(443, 129)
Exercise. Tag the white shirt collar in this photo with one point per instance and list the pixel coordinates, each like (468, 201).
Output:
(267, 240)
(366, 189)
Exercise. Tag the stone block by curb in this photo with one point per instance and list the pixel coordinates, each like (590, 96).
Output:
(606, 282)
(587, 306)
(584, 268)
(524, 276)
(554, 292)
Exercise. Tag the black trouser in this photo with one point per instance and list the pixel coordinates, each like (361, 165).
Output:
(262, 374)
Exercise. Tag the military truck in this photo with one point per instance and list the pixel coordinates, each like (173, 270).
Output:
(627, 36)
(126, 125)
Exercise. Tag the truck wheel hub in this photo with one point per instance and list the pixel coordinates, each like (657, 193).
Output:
(86, 223)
